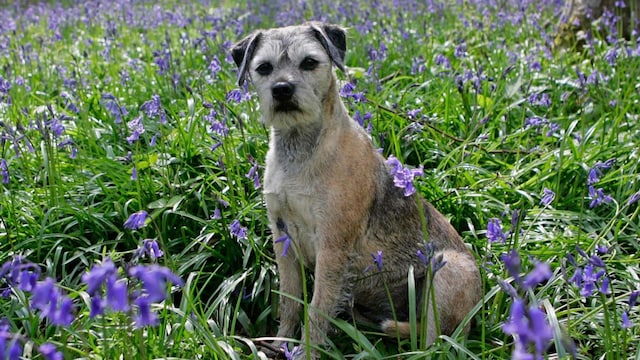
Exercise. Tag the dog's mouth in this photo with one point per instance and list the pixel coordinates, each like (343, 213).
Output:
(287, 106)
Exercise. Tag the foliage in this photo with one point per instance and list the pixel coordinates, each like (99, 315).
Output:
(112, 109)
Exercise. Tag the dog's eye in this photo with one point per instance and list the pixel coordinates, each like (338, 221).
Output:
(264, 69)
(308, 64)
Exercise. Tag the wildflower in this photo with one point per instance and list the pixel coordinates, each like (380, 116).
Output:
(442, 60)
(633, 199)
(152, 108)
(111, 104)
(347, 91)
(144, 316)
(429, 258)
(285, 238)
(253, 174)
(403, 177)
(136, 220)
(625, 320)
(540, 273)
(154, 280)
(377, 259)
(633, 298)
(115, 288)
(363, 119)
(214, 66)
(529, 327)
(217, 215)
(4, 169)
(149, 248)
(19, 273)
(494, 231)
(237, 96)
(512, 264)
(52, 303)
(238, 230)
(293, 354)
(15, 351)
(597, 197)
(134, 173)
(49, 352)
(547, 197)
(595, 172)
(137, 128)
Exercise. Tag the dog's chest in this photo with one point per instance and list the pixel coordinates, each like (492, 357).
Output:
(292, 197)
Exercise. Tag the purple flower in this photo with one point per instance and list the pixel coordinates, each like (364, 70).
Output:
(633, 199)
(154, 280)
(238, 230)
(137, 128)
(253, 174)
(540, 273)
(145, 316)
(633, 298)
(494, 231)
(152, 108)
(52, 303)
(547, 197)
(15, 351)
(111, 104)
(529, 326)
(595, 172)
(403, 177)
(363, 119)
(134, 173)
(238, 96)
(116, 293)
(291, 355)
(597, 197)
(49, 352)
(150, 248)
(512, 264)
(377, 259)
(626, 324)
(136, 220)
(4, 169)
(286, 240)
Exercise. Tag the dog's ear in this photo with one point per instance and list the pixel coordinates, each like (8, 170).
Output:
(334, 40)
(242, 52)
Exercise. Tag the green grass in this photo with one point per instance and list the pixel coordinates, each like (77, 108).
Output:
(482, 161)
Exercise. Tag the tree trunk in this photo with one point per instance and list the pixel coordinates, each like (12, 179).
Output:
(611, 17)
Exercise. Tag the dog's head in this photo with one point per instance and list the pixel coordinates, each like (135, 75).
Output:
(291, 69)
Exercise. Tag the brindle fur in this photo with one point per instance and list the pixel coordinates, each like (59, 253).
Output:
(325, 181)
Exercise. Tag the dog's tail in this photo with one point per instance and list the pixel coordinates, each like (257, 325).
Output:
(397, 328)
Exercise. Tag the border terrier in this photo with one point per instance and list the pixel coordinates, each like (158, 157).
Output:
(332, 194)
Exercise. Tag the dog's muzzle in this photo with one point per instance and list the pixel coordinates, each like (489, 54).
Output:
(282, 93)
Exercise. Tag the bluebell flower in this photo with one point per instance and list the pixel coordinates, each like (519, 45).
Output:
(596, 171)
(598, 197)
(634, 198)
(547, 197)
(626, 324)
(136, 220)
(134, 173)
(377, 259)
(253, 175)
(111, 104)
(494, 231)
(512, 263)
(540, 273)
(403, 177)
(293, 353)
(52, 303)
(150, 248)
(154, 280)
(152, 108)
(363, 120)
(285, 238)
(238, 96)
(49, 352)
(238, 230)
(137, 128)
(116, 293)
(4, 169)
(530, 328)
(145, 316)
(633, 298)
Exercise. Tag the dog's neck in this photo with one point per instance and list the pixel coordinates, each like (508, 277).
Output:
(295, 145)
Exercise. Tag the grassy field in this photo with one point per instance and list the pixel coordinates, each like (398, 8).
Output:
(132, 224)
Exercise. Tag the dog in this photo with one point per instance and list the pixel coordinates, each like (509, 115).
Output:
(331, 195)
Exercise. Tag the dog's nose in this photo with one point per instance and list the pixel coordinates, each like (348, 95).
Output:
(283, 91)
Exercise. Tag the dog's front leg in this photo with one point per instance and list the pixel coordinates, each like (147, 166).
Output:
(328, 292)
(290, 289)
